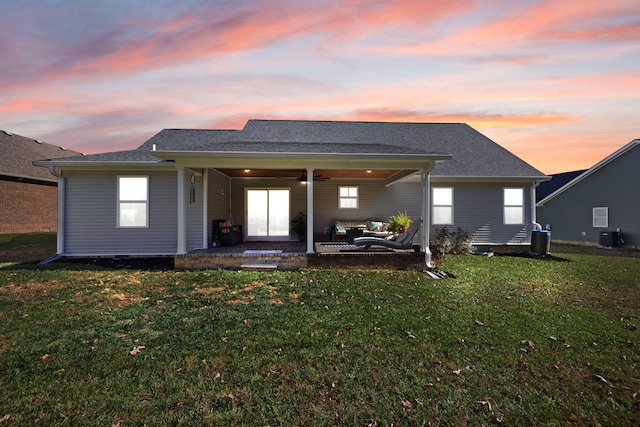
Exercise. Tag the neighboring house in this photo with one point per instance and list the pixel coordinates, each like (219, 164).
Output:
(604, 198)
(162, 197)
(28, 194)
(557, 180)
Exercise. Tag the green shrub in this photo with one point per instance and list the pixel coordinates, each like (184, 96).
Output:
(458, 242)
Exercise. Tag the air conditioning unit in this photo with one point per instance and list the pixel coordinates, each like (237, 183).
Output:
(609, 239)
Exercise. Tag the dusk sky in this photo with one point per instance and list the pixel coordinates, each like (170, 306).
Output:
(555, 82)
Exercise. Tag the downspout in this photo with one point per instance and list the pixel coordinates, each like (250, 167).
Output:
(61, 202)
(426, 217)
(534, 215)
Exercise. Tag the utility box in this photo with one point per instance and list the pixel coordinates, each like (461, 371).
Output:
(541, 242)
(609, 239)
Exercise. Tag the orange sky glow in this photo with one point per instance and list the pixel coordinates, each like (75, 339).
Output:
(556, 84)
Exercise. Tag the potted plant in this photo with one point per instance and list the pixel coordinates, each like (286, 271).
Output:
(299, 225)
(399, 223)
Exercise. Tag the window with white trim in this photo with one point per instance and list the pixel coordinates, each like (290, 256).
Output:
(133, 201)
(348, 197)
(513, 205)
(601, 217)
(442, 205)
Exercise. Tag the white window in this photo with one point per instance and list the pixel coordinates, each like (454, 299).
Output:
(133, 201)
(348, 197)
(601, 217)
(514, 205)
(442, 205)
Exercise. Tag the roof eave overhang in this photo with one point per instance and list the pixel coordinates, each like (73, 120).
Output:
(272, 160)
(104, 164)
(475, 178)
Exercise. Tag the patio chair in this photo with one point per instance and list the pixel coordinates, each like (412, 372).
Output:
(402, 241)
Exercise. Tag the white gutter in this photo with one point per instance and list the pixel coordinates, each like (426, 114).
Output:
(426, 217)
(534, 218)
(61, 200)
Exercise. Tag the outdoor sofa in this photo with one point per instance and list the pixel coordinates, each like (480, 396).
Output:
(357, 228)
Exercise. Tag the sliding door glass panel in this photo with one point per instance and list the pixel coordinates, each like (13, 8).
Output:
(257, 214)
(278, 212)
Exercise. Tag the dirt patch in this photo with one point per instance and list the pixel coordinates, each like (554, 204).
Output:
(30, 289)
(128, 263)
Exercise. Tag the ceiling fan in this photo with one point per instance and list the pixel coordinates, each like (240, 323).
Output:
(303, 177)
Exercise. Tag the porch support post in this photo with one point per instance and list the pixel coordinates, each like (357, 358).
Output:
(310, 248)
(426, 218)
(205, 210)
(182, 214)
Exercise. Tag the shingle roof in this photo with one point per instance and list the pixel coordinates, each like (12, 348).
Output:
(474, 155)
(557, 180)
(18, 152)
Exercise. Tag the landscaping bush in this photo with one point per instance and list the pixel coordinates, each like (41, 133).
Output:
(457, 242)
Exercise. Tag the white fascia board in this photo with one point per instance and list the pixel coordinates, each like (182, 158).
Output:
(297, 160)
(469, 178)
(105, 165)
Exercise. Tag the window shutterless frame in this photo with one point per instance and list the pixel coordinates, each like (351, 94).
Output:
(513, 206)
(348, 197)
(601, 217)
(442, 200)
(133, 202)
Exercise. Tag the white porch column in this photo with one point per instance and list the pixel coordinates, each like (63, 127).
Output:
(310, 248)
(205, 210)
(182, 214)
(426, 218)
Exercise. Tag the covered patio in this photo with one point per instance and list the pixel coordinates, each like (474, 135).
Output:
(292, 255)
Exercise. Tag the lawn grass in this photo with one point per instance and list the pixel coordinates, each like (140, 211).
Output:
(510, 340)
(26, 247)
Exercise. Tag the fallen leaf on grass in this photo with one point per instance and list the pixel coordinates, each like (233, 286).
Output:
(406, 404)
(216, 375)
(485, 403)
(5, 418)
(604, 380)
(479, 323)
(410, 335)
(456, 372)
(136, 350)
(44, 356)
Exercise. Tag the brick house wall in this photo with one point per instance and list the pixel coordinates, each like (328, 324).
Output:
(28, 207)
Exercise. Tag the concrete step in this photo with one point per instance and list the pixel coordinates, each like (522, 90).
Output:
(259, 267)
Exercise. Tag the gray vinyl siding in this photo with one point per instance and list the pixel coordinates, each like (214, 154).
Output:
(91, 215)
(194, 212)
(478, 208)
(217, 199)
(615, 185)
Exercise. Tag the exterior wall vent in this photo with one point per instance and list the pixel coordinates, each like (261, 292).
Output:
(7, 132)
(38, 141)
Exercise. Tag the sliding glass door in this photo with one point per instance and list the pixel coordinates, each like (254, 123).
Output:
(267, 212)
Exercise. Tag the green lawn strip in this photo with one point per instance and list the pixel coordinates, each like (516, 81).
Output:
(27, 247)
(510, 340)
